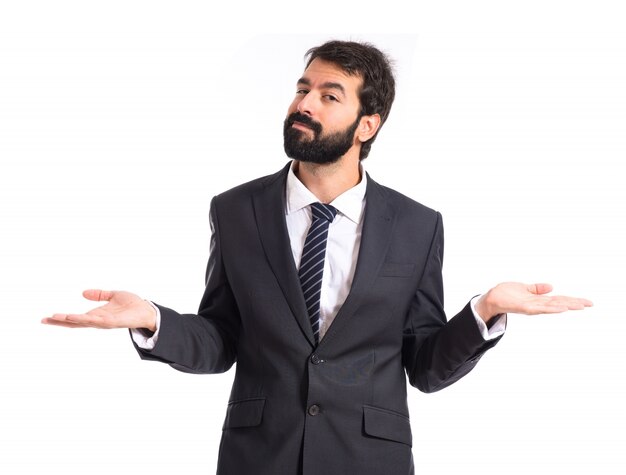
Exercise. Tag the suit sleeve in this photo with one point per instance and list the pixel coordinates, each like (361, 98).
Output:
(206, 342)
(437, 352)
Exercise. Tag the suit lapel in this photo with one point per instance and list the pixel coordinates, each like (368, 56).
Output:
(269, 206)
(377, 231)
(269, 209)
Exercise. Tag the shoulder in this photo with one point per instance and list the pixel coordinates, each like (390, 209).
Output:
(245, 191)
(402, 204)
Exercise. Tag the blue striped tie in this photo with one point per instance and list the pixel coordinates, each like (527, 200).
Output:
(312, 261)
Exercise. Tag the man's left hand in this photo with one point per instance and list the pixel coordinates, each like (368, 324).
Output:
(528, 299)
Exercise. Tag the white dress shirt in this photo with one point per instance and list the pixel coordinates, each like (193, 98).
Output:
(344, 241)
(342, 247)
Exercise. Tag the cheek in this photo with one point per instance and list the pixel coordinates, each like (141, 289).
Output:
(293, 107)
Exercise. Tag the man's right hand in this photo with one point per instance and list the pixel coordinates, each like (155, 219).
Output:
(122, 310)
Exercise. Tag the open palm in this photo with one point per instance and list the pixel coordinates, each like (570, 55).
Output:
(528, 299)
(122, 310)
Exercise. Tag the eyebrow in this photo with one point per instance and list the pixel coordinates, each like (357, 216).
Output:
(326, 85)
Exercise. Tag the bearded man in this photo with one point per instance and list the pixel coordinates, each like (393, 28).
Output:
(325, 288)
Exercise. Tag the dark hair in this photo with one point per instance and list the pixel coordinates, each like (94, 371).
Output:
(373, 66)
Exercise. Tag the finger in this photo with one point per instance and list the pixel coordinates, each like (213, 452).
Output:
(86, 320)
(547, 306)
(60, 321)
(579, 304)
(556, 304)
(573, 303)
(549, 309)
(98, 295)
(540, 289)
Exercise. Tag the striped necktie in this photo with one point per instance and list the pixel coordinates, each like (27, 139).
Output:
(312, 261)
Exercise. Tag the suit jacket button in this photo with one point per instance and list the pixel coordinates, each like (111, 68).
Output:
(314, 410)
(315, 359)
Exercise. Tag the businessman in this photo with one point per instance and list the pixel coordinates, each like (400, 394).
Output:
(325, 288)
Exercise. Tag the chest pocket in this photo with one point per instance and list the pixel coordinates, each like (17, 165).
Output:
(397, 269)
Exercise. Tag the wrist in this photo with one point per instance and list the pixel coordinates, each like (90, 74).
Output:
(150, 320)
(485, 309)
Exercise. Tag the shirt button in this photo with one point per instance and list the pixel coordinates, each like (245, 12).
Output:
(314, 410)
(315, 359)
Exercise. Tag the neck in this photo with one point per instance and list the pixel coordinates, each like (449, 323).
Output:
(328, 181)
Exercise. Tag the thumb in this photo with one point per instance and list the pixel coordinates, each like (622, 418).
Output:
(540, 289)
(98, 295)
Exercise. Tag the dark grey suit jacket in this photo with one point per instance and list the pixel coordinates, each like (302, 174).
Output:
(340, 407)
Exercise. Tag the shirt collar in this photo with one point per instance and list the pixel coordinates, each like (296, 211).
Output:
(349, 203)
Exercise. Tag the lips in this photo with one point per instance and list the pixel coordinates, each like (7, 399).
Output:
(303, 123)
(301, 126)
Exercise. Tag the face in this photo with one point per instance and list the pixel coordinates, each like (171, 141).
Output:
(323, 117)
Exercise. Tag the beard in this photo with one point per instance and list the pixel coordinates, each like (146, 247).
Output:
(320, 149)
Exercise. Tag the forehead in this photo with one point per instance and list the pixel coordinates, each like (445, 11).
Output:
(321, 72)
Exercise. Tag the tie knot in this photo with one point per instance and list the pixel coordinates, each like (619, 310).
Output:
(322, 211)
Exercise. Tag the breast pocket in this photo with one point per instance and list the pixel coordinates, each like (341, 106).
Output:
(397, 269)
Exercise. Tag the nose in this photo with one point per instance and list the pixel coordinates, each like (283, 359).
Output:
(306, 104)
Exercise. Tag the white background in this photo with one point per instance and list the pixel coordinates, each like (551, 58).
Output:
(120, 120)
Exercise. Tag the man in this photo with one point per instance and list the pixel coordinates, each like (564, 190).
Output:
(326, 289)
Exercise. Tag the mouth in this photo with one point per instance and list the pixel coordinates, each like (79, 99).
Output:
(300, 126)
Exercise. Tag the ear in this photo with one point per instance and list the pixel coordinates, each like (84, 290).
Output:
(368, 125)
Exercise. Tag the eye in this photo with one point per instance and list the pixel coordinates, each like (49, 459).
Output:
(302, 91)
(331, 98)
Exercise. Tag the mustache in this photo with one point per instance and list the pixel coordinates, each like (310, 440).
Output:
(304, 119)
